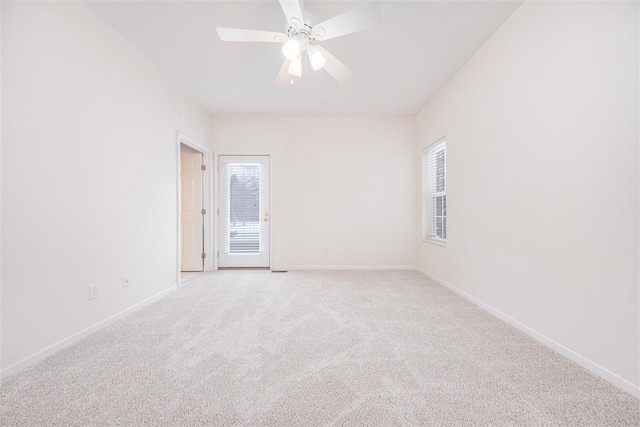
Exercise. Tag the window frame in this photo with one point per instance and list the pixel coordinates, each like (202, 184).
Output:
(427, 205)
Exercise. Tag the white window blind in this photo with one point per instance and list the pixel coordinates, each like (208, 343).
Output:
(240, 208)
(434, 191)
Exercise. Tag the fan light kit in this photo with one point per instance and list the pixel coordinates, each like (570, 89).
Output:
(291, 49)
(301, 34)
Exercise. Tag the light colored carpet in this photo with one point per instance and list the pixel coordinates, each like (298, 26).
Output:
(311, 348)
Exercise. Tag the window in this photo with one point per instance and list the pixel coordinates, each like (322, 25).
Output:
(240, 201)
(434, 192)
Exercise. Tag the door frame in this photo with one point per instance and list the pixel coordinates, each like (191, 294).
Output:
(208, 192)
(216, 161)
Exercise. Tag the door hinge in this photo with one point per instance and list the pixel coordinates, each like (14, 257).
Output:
(204, 211)
(204, 256)
(218, 254)
(218, 211)
(203, 167)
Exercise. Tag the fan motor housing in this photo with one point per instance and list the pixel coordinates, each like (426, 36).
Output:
(306, 32)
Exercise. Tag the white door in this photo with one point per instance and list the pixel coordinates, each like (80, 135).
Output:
(191, 212)
(243, 227)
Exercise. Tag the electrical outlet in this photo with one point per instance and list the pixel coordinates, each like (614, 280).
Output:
(454, 264)
(326, 251)
(93, 291)
(125, 281)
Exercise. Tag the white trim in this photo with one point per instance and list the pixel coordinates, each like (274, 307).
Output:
(191, 279)
(208, 189)
(435, 242)
(347, 267)
(48, 351)
(589, 365)
(184, 139)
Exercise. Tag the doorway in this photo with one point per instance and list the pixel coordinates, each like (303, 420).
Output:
(191, 209)
(194, 207)
(243, 220)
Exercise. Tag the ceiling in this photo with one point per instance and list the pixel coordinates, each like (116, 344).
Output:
(398, 66)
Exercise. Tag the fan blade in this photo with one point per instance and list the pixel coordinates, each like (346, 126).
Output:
(240, 35)
(335, 67)
(292, 10)
(284, 78)
(352, 21)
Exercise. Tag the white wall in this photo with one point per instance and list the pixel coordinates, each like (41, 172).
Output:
(542, 163)
(346, 184)
(88, 173)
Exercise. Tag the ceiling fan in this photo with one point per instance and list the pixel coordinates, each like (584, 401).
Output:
(301, 35)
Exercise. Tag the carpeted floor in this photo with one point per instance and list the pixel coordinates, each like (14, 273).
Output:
(311, 348)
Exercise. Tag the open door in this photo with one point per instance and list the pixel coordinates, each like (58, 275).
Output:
(191, 212)
(244, 211)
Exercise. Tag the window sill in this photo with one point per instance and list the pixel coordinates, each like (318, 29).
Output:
(435, 242)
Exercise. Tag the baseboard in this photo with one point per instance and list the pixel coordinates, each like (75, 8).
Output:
(346, 267)
(191, 279)
(589, 365)
(46, 352)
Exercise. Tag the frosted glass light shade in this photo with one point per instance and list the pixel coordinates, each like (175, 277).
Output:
(316, 58)
(291, 49)
(295, 68)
